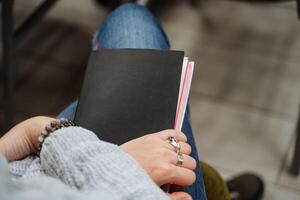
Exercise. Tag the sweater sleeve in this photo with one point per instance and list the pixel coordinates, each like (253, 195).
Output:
(78, 158)
(43, 187)
(25, 168)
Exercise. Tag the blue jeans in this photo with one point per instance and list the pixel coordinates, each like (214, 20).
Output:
(133, 26)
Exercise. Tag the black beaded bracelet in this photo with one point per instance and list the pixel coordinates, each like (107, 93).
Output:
(50, 128)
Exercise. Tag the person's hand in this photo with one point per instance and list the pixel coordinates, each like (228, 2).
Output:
(22, 140)
(158, 158)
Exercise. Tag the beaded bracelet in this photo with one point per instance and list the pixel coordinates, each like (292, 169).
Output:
(50, 128)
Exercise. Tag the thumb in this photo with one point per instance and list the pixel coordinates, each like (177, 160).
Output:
(179, 196)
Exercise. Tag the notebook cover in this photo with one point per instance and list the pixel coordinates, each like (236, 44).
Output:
(128, 93)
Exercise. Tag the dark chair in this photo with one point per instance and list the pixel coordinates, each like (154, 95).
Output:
(10, 37)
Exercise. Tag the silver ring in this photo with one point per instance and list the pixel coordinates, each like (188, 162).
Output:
(175, 144)
(179, 159)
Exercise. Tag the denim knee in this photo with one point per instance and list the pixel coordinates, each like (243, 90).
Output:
(132, 26)
(131, 13)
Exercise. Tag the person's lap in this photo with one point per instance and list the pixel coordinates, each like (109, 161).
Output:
(132, 26)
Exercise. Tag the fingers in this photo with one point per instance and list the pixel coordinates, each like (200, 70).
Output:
(171, 174)
(167, 172)
(185, 147)
(179, 196)
(182, 176)
(188, 162)
(164, 135)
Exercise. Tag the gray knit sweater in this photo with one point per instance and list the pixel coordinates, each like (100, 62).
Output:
(75, 164)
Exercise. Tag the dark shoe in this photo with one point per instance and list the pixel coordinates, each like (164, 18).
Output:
(246, 187)
(111, 4)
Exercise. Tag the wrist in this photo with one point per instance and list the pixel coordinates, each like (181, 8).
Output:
(22, 139)
(34, 128)
(53, 126)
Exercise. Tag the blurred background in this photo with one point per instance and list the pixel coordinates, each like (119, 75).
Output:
(245, 91)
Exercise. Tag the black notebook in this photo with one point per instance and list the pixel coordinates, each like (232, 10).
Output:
(128, 93)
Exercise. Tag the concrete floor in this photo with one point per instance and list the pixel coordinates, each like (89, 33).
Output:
(245, 92)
